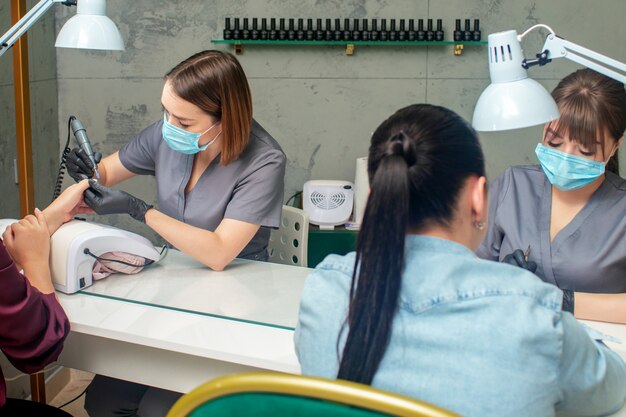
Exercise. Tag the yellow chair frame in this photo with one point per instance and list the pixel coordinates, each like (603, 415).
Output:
(337, 391)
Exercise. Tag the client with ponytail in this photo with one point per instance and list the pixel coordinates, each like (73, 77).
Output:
(414, 311)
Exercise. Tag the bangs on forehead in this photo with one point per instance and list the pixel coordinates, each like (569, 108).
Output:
(580, 125)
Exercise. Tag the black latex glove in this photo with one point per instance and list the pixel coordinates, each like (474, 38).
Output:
(104, 200)
(79, 166)
(568, 301)
(517, 259)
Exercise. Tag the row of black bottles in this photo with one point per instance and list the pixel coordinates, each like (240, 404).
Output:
(468, 34)
(355, 30)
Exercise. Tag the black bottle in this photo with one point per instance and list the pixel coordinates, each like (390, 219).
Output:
(319, 32)
(291, 32)
(458, 35)
(411, 35)
(282, 33)
(384, 35)
(236, 31)
(245, 32)
(421, 35)
(467, 34)
(273, 31)
(430, 33)
(366, 35)
(337, 32)
(476, 33)
(300, 32)
(228, 34)
(309, 35)
(264, 32)
(374, 35)
(402, 32)
(356, 33)
(393, 35)
(347, 35)
(254, 33)
(439, 31)
(328, 34)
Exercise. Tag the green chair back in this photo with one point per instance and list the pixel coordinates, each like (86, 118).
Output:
(263, 394)
(271, 405)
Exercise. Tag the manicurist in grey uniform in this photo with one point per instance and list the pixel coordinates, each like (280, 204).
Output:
(219, 174)
(571, 209)
(219, 178)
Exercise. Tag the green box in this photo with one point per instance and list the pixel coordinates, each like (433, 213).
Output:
(325, 242)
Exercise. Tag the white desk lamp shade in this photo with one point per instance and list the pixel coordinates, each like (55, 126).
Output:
(90, 28)
(512, 100)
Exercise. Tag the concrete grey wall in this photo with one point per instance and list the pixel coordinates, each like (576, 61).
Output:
(44, 115)
(320, 104)
(9, 207)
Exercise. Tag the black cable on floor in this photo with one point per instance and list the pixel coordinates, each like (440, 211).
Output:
(74, 399)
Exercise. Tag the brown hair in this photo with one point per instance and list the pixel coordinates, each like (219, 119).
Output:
(590, 105)
(215, 82)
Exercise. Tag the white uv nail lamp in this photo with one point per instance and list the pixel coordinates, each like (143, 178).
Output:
(70, 264)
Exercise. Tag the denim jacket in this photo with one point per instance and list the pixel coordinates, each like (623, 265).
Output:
(477, 337)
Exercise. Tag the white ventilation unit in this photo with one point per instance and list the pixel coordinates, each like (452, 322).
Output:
(328, 203)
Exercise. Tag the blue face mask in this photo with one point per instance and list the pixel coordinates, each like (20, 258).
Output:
(182, 141)
(568, 172)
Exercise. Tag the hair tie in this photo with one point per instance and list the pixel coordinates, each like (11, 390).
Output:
(400, 144)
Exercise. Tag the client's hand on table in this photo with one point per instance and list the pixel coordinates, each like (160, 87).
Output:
(28, 243)
(66, 205)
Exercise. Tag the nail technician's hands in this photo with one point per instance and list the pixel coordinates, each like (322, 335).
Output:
(79, 166)
(517, 258)
(105, 200)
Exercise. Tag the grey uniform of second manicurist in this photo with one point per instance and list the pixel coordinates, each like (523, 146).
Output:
(587, 255)
(249, 189)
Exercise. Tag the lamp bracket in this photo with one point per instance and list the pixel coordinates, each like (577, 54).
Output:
(542, 59)
(558, 47)
(33, 15)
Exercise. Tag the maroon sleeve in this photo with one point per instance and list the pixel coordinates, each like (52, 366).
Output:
(32, 325)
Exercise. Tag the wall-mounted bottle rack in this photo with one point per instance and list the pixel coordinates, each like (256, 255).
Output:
(349, 35)
(350, 46)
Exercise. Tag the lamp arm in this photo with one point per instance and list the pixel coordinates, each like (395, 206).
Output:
(33, 15)
(560, 48)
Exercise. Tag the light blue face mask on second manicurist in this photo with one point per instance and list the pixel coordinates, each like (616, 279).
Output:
(568, 172)
(182, 141)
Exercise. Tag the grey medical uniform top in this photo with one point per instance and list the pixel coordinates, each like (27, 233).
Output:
(587, 255)
(249, 189)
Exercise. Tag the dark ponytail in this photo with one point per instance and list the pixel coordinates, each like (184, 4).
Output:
(375, 295)
(418, 161)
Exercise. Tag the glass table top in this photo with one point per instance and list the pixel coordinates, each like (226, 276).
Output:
(260, 293)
